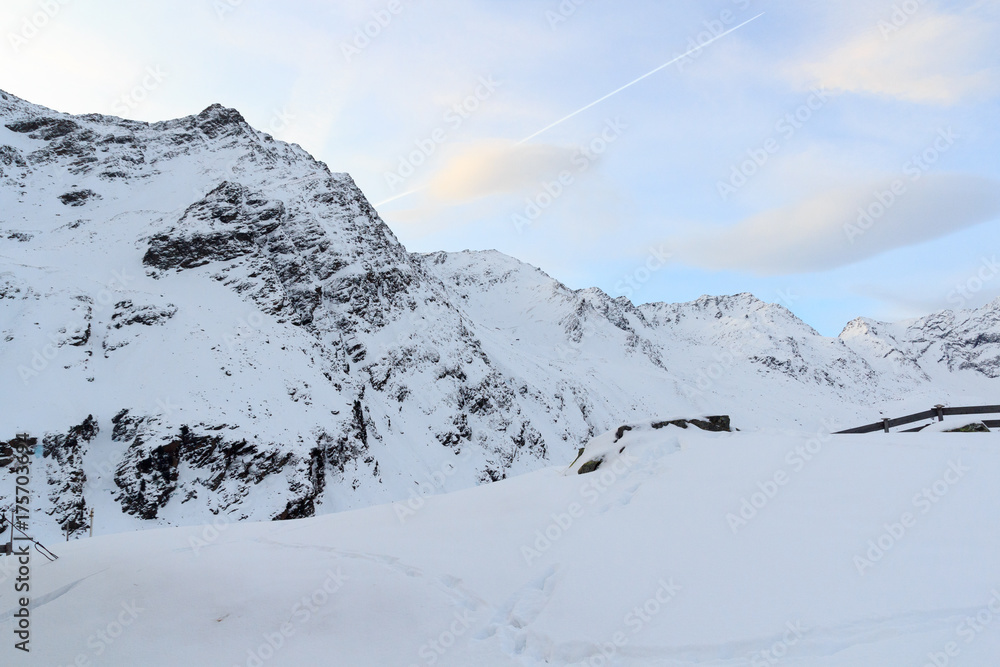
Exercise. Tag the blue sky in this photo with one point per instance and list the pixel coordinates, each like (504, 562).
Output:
(749, 164)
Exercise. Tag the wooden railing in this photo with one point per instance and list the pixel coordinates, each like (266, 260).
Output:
(938, 411)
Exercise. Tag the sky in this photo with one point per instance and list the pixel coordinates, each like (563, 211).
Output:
(840, 159)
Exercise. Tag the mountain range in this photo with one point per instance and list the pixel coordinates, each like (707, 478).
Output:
(197, 319)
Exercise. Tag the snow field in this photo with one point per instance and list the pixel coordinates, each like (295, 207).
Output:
(634, 564)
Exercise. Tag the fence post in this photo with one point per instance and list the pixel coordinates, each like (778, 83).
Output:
(940, 412)
(885, 424)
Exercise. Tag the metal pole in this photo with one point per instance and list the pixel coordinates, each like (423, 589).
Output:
(91, 521)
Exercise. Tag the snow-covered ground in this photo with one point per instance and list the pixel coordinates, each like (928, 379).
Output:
(683, 547)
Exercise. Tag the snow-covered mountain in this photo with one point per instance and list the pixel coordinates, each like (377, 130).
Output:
(938, 344)
(197, 319)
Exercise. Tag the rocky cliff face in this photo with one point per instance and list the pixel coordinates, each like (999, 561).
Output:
(950, 340)
(198, 320)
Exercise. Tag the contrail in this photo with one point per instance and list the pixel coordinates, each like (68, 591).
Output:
(632, 83)
(399, 196)
(598, 101)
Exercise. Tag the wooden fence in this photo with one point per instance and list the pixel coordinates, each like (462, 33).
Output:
(938, 411)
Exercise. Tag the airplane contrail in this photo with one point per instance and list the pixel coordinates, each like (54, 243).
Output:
(632, 83)
(598, 101)
(400, 196)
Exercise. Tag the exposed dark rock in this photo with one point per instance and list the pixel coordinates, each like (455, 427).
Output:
(238, 221)
(12, 163)
(304, 505)
(717, 423)
(460, 432)
(147, 476)
(125, 427)
(127, 313)
(977, 427)
(218, 120)
(213, 458)
(622, 429)
(45, 129)
(78, 197)
(67, 478)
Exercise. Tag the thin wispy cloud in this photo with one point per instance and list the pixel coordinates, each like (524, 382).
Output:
(929, 58)
(844, 226)
(497, 167)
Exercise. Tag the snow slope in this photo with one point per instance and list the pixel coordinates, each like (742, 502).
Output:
(638, 563)
(197, 320)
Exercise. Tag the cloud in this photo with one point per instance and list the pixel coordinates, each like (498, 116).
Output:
(844, 226)
(498, 167)
(926, 58)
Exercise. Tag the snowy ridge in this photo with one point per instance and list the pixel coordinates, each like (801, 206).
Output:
(949, 340)
(198, 320)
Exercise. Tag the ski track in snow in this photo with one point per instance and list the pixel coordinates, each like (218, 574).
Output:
(40, 601)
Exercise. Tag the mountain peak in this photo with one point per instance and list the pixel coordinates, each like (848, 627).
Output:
(231, 300)
(218, 112)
